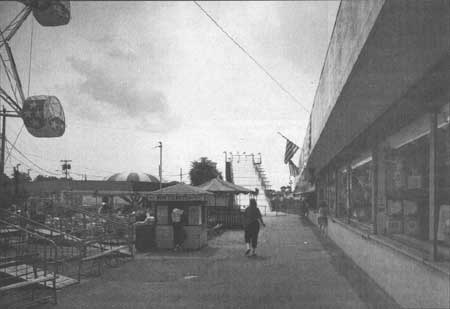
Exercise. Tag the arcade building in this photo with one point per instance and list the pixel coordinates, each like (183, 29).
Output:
(377, 147)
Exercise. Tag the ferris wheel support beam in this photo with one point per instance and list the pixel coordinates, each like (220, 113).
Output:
(13, 104)
(14, 71)
(14, 25)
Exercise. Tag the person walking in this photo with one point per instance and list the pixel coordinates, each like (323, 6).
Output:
(252, 222)
(178, 231)
(322, 219)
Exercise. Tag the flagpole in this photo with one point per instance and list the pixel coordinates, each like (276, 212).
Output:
(286, 138)
(283, 136)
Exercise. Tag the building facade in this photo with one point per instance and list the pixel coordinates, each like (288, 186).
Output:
(377, 148)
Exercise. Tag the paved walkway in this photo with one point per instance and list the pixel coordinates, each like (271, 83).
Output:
(295, 268)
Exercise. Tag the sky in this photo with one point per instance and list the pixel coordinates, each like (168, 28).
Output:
(130, 74)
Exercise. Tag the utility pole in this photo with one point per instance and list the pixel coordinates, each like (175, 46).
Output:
(5, 114)
(66, 167)
(160, 164)
(181, 175)
(16, 181)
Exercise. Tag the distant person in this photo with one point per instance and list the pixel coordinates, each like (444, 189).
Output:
(306, 207)
(252, 221)
(303, 208)
(322, 219)
(103, 210)
(178, 230)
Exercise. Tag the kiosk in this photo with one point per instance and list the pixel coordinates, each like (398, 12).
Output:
(192, 201)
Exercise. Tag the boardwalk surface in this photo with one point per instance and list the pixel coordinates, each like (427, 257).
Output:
(295, 268)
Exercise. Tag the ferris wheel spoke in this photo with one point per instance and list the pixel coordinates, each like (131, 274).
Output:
(14, 25)
(10, 101)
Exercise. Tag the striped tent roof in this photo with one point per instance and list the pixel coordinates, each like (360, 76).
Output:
(133, 177)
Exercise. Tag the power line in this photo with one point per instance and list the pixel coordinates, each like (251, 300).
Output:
(24, 156)
(15, 141)
(252, 58)
(24, 164)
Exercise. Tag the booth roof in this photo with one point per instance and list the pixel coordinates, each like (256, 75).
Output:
(181, 189)
(219, 185)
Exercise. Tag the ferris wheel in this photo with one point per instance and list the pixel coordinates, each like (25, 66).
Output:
(42, 115)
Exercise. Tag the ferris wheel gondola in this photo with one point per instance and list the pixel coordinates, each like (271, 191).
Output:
(43, 115)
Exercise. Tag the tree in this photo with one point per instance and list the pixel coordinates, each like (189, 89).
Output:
(44, 178)
(22, 177)
(202, 171)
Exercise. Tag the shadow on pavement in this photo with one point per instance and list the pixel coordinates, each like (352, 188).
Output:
(258, 258)
(364, 286)
(203, 252)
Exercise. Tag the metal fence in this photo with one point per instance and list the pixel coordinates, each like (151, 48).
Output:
(28, 271)
(227, 217)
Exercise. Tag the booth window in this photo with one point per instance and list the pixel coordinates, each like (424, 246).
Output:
(192, 215)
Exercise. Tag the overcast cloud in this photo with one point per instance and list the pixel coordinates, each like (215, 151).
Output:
(130, 74)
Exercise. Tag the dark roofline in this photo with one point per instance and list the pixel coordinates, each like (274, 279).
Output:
(63, 185)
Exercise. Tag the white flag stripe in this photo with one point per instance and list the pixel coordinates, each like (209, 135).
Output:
(293, 169)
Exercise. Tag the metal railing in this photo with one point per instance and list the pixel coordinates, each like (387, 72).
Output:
(109, 230)
(28, 269)
(70, 249)
(227, 217)
(83, 238)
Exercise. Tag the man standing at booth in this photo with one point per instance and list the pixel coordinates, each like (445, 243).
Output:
(178, 231)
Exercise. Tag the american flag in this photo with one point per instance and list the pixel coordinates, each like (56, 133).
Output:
(291, 149)
(293, 170)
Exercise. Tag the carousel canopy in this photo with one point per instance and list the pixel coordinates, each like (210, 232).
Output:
(134, 177)
(219, 185)
(180, 192)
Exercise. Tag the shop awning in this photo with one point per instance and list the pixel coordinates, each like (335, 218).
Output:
(369, 70)
(304, 187)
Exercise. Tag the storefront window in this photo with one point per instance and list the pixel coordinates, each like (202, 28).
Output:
(332, 191)
(361, 191)
(342, 193)
(443, 175)
(321, 196)
(407, 178)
